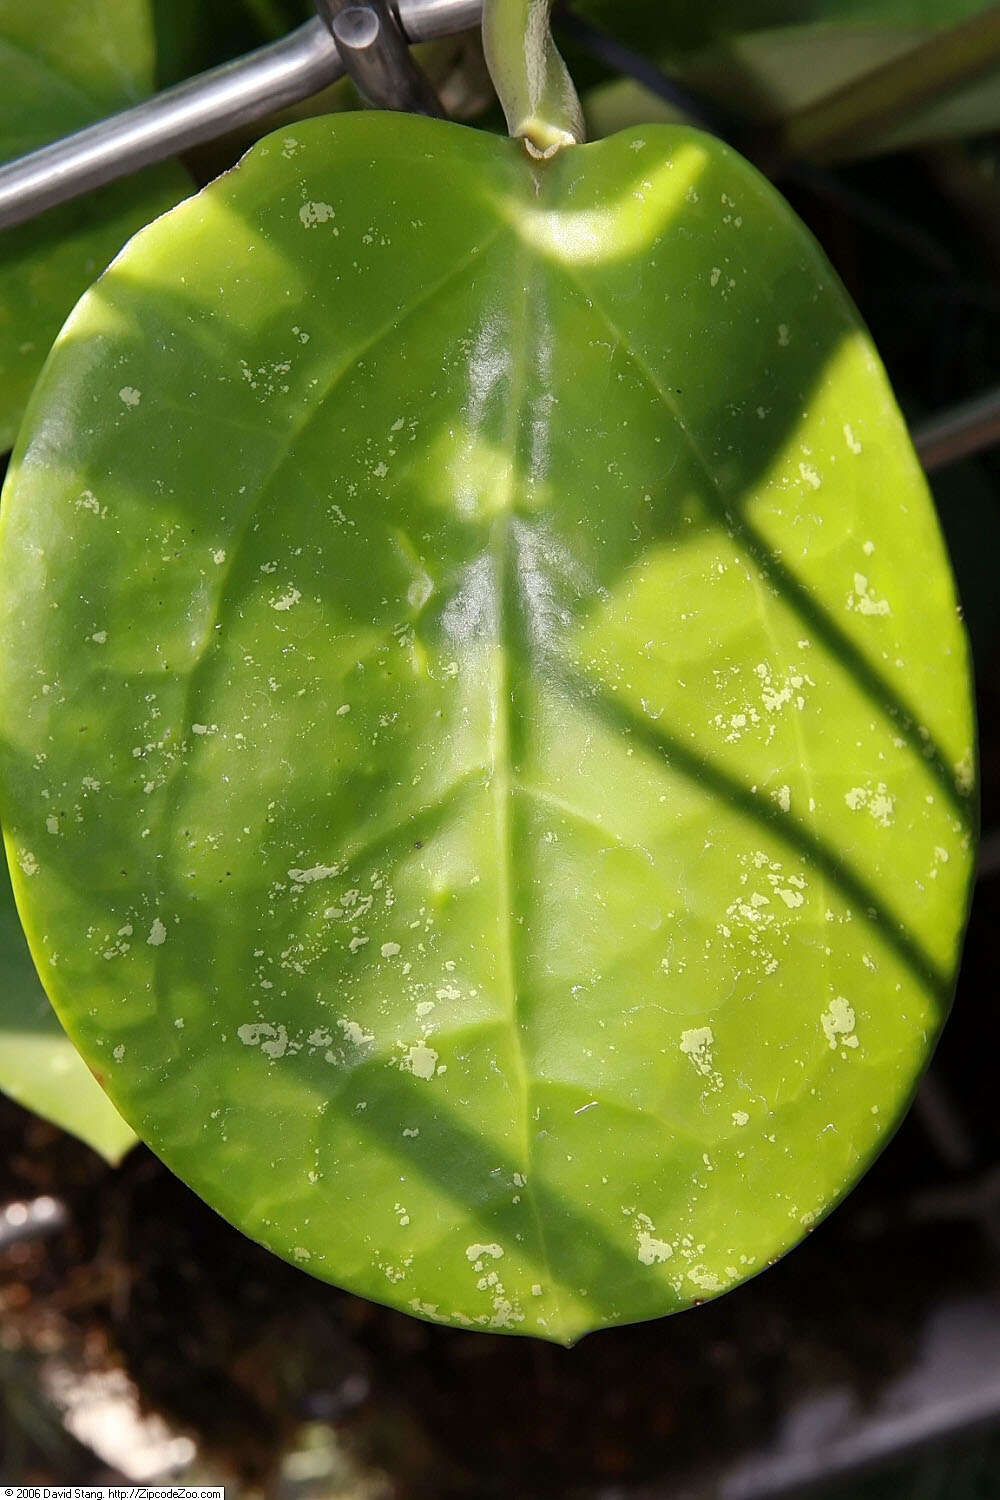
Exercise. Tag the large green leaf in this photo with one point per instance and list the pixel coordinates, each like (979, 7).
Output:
(487, 732)
(63, 64)
(39, 1066)
(192, 35)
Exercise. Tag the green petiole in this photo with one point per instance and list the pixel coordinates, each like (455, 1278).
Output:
(530, 77)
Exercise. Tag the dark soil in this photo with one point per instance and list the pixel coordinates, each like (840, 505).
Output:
(238, 1348)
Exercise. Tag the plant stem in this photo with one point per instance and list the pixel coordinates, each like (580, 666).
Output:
(850, 116)
(530, 77)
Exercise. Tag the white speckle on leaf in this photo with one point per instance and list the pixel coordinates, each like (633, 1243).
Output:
(129, 395)
(420, 1060)
(650, 1251)
(311, 214)
(157, 934)
(271, 1039)
(838, 1022)
(877, 800)
(740, 1117)
(850, 439)
(285, 601)
(389, 950)
(864, 599)
(697, 1044)
(316, 872)
(477, 1252)
(419, 591)
(355, 1033)
(119, 1052)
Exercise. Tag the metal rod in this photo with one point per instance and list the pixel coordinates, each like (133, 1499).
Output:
(377, 58)
(959, 432)
(201, 109)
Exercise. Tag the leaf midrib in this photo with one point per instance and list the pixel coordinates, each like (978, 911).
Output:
(505, 718)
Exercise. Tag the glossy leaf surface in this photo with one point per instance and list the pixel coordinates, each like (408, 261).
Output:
(39, 1066)
(487, 740)
(64, 64)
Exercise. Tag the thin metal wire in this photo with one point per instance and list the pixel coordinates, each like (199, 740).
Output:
(200, 110)
(620, 58)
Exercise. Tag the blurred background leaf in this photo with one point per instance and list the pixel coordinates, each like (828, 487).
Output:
(770, 59)
(39, 1066)
(63, 65)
